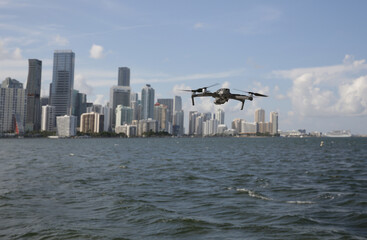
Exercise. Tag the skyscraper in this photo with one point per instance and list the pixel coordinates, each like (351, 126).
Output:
(147, 101)
(169, 103)
(219, 115)
(161, 115)
(177, 104)
(259, 115)
(13, 106)
(274, 123)
(33, 119)
(124, 77)
(62, 81)
(119, 95)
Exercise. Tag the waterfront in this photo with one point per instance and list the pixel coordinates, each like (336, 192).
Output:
(183, 188)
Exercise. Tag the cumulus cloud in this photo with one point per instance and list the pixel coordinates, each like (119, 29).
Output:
(81, 84)
(6, 54)
(59, 41)
(339, 90)
(96, 51)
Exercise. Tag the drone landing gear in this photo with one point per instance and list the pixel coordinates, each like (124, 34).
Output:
(193, 103)
(243, 103)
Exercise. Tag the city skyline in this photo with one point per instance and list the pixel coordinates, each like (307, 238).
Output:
(313, 68)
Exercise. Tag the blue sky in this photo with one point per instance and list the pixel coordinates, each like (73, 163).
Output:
(308, 56)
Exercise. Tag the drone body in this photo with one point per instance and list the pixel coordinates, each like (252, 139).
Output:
(222, 95)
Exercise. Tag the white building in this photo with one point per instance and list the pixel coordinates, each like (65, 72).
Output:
(219, 115)
(248, 128)
(124, 115)
(66, 126)
(221, 128)
(48, 118)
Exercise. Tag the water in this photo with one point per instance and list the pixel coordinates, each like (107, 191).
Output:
(183, 188)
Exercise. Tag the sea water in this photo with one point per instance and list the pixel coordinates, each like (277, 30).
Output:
(183, 188)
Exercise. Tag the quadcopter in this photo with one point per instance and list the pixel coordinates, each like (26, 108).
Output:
(222, 95)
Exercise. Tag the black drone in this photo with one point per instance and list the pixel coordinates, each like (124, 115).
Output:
(222, 95)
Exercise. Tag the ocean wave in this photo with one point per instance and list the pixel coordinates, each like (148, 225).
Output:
(253, 194)
(300, 202)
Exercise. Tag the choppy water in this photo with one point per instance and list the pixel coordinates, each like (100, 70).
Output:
(181, 188)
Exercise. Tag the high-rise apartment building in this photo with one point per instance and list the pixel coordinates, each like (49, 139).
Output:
(48, 122)
(91, 122)
(124, 77)
(13, 106)
(169, 103)
(161, 114)
(192, 121)
(259, 115)
(62, 81)
(33, 119)
(274, 123)
(147, 101)
(219, 115)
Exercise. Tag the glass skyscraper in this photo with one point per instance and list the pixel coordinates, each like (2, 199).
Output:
(124, 77)
(33, 119)
(62, 82)
(147, 101)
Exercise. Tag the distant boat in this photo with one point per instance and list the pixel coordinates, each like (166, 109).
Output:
(53, 137)
(338, 133)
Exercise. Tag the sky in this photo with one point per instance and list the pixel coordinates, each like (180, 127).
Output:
(308, 56)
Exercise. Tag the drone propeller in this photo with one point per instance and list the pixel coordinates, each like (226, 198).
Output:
(253, 93)
(200, 89)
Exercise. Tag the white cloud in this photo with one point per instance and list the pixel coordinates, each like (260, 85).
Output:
(100, 99)
(339, 90)
(6, 54)
(81, 84)
(199, 25)
(96, 51)
(59, 41)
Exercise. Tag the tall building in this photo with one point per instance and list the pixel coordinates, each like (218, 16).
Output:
(48, 118)
(119, 95)
(66, 126)
(236, 124)
(91, 122)
(178, 123)
(259, 115)
(161, 114)
(13, 106)
(79, 105)
(192, 121)
(274, 123)
(33, 119)
(169, 103)
(124, 77)
(178, 117)
(219, 115)
(62, 81)
(147, 101)
(177, 104)
(124, 115)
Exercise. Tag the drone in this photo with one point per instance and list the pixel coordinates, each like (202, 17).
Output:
(222, 95)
